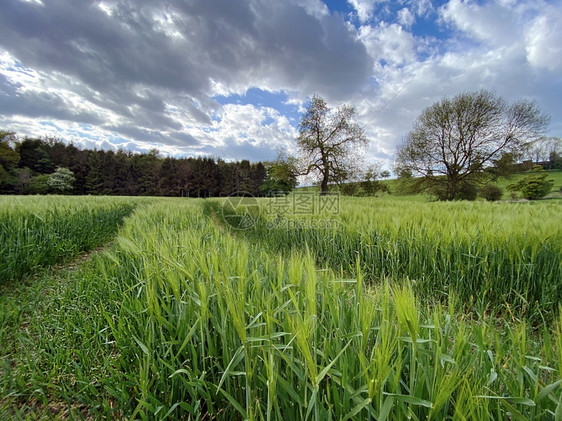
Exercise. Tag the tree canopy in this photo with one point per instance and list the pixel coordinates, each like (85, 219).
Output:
(29, 166)
(456, 140)
(330, 142)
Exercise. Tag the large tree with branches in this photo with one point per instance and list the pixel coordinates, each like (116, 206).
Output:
(455, 142)
(330, 142)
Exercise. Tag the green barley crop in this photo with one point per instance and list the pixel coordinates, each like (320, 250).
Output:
(499, 256)
(42, 231)
(182, 320)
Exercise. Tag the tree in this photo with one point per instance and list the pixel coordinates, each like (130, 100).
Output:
(34, 154)
(370, 185)
(9, 159)
(281, 174)
(455, 141)
(330, 142)
(541, 150)
(39, 184)
(534, 186)
(22, 180)
(61, 181)
(491, 192)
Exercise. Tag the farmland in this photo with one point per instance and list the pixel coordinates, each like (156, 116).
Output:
(358, 308)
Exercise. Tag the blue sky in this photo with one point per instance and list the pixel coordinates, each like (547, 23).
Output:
(230, 78)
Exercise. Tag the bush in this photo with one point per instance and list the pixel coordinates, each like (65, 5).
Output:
(39, 184)
(467, 192)
(349, 189)
(373, 187)
(491, 192)
(534, 186)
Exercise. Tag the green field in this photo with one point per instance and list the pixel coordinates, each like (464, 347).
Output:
(394, 186)
(357, 308)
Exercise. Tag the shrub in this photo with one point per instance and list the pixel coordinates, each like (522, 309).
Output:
(467, 191)
(491, 192)
(39, 184)
(534, 186)
(349, 189)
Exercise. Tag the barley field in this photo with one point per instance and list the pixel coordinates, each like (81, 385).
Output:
(38, 232)
(264, 310)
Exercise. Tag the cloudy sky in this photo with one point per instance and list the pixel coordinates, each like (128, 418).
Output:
(229, 78)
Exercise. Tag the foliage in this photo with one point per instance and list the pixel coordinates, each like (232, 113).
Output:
(281, 174)
(330, 142)
(406, 184)
(490, 259)
(491, 192)
(467, 191)
(369, 186)
(534, 186)
(99, 172)
(39, 184)
(556, 160)
(9, 159)
(37, 232)
(182, 319)
(454, 141)
(349, 189)
(542, 151)
(61, 181)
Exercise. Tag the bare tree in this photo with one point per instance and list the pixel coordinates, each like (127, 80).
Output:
(456, 140)
(330, 142)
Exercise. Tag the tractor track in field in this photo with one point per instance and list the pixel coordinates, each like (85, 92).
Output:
(44, 283)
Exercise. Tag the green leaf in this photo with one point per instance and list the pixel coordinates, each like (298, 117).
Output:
(311, 402)
(188, 336)
(238, 355)
(181, 370)
(142, 346)
(547, 390)
(521, 401)
(358, 408)
(493, 377)
(386, 407)
(410, 399)
(327, 368)
(447, 358)
(234, 403)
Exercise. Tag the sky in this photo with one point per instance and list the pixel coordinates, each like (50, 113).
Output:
(231, 78)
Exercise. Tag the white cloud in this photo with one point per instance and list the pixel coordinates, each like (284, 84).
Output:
(491, 22)
(144, 77)
(252, 126)
(389, 42)
(543, 39)
(514, 60)
(405, 17)
(533, 27)
(421, 7)
(364, 8)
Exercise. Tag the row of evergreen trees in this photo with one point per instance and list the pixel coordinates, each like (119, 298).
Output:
(27, 165)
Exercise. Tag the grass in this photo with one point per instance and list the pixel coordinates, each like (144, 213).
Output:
(555, 175)
(43, 231)
(503, 182)
(184, 318)
(501, 257)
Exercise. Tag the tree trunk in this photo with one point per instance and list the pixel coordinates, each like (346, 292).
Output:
(324, 187)
(452, 187)
(324, 183)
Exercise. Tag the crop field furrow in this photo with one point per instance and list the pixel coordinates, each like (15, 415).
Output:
(497, 259)
(182, 318)
(38, 233)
